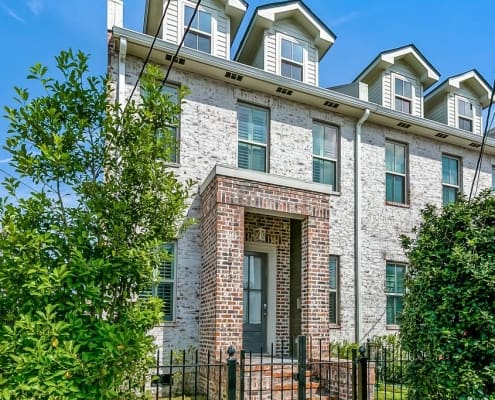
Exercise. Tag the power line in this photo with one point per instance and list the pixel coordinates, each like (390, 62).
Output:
(147, 59)
(25, 184)
(180, 44)
(477, 171)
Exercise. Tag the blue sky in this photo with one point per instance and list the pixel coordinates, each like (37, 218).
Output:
(455, 36)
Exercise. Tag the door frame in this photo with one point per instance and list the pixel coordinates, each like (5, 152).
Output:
(271, 285)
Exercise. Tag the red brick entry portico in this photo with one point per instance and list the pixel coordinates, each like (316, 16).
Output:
(243, 211)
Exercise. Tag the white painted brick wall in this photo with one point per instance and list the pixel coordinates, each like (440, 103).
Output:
(209, 137)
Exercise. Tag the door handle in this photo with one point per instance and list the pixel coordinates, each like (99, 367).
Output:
(265, 310)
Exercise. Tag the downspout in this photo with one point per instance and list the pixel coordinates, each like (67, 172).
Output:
(357, 228)
(121, 72)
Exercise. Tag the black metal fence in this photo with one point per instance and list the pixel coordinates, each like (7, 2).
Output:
(306, 369)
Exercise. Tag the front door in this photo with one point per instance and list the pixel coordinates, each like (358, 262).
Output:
(255, 306)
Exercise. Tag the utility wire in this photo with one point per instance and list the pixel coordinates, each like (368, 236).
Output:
(180, 44)
(147, 59)
(25, 184)
(482, 148)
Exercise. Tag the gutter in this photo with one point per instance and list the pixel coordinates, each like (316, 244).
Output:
(357, 228)
(355, 105)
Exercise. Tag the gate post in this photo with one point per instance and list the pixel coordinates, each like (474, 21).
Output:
(301, 363)
(362, 374)
(231, 374)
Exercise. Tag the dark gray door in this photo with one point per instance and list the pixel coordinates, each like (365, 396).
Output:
(254, 303)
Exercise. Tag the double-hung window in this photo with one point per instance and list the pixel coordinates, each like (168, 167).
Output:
(171, 140)
(394, 289)
(325, 154)
(333, 269)
(291, 62)
(403, 95)
(465, 115)
(396, 172)
(199, 36)
(451, 178)
(252, 130)
(163, 285)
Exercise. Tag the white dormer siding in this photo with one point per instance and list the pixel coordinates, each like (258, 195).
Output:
(176, 22)
(286, 30)
(459, 101)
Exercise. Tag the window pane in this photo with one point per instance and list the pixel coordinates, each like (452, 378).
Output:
(204, 22)
(255, 307)
(259, 118)
(317, 170)
(188, 13)
(465, 124)
(333, 272)
(390, 310)
(286, 49)
(449, 195)
(286, 69)
(165, 291)
(255, 273)
(390, 278)
(191, 40)
(395, 188)
(297, 50)
(389, 187)
(258, 158)
(400, 158)
(296, 72)
(204, 43)
(399, 278)
(330, 138)
(389, 156)
(243, 155)
(243, 116)
(407, 90)
(399, 86)
(333, 307)
(318, 139)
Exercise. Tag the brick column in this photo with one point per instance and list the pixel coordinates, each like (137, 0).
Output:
(315, 278)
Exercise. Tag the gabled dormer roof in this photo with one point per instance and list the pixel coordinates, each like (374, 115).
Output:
(235, 9)
(265, 16)
(473, 79)
(409, 54)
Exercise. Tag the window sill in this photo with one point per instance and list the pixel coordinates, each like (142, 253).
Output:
(163, 324)
(170, 164)
(401, 205)
(334, 326)
(392, 327)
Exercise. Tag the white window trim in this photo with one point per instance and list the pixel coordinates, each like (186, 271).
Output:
(293, 39)
(393, 95)
(183, 24)
(458, 115)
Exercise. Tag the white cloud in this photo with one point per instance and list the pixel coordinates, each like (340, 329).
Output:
(35, 6)
(12, 13)
(344, 19)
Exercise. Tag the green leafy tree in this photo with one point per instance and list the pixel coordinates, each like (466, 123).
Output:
(75, 253)
(448, 322)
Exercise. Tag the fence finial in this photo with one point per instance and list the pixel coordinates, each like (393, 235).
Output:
(231, 351)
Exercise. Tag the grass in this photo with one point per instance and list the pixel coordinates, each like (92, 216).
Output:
(390, 392)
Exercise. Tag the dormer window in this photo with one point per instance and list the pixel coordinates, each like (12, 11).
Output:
(199, 35)
(465, 115)
(403, 95)
(291, 61)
